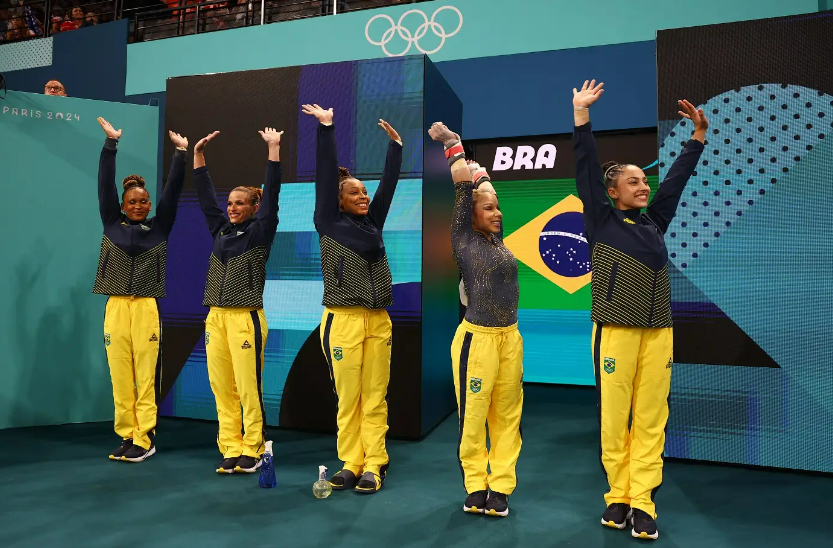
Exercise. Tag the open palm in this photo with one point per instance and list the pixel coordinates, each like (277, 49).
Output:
(323, 116)
(696, 115)
(589, 94)
(271, 136)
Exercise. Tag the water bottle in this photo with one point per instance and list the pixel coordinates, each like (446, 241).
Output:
(322, 488)
(267, 469)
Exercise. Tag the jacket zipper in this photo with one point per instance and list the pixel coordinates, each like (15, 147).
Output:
(340, 271)
(132, 262)
(613, 271)
(222, 285)
(104, 266)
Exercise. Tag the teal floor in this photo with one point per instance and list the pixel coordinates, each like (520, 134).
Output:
(58, 489)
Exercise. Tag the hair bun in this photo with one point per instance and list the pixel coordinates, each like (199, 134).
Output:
(258, 192)
(344, 173)
(608, 165)
(132, 181)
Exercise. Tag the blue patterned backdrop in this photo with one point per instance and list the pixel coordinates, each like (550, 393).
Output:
(750, 245)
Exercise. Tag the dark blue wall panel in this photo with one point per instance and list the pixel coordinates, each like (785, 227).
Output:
(531, 93)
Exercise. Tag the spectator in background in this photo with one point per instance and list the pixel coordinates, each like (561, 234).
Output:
(239, 10)
(92, 19)
(18, 30)
(54, 87)
(32, 23)
(31, 26)
(68, 24)
(56, 23)
(79, 19)
(5, 21)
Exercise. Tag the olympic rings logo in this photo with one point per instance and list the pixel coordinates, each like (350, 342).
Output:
(421, 31)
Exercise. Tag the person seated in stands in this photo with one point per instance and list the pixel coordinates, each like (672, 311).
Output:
(31, 25)
(56, 23)
(239, 11)
(5, 20)
(79, 18)
(18, 30)
(68, 24)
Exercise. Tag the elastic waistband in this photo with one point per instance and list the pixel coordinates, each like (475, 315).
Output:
(232, 309)
(354, 310)
(130, 298)
(481, 329)
(623, 326)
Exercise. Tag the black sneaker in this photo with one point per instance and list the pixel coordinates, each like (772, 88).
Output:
(122, 449)
(497, 504)
(476, 502)
(247, 465)
(644, 525)
(369, 483)
(226, 466)
(344, 479)
(617, 515)
(137, 453)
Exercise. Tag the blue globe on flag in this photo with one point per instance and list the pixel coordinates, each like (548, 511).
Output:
(563, 245)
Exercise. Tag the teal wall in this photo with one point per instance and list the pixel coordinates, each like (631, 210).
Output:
(489, 27)
(54, 368)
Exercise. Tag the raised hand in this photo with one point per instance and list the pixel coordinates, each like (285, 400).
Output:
(108, 129)
(589, 94)
(439, 132)
(200, 146)
(271, 136)
(323, 116)
(696, 115)
(394, 136)
(178, 140)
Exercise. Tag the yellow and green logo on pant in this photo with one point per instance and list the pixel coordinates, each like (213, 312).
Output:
(475, 385)
(337, 353)
(610, 365)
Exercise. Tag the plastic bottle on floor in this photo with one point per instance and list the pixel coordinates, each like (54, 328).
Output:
(267, 469)
(322, 488)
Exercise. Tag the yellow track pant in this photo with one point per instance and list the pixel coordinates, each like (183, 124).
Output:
(633, 380)
(357, 344)
(132, 333)
(235, 339)
(488, 378)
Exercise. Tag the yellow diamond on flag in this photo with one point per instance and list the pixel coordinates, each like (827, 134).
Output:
(554, 244)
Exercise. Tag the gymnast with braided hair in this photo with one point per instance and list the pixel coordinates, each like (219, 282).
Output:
(631, 310)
